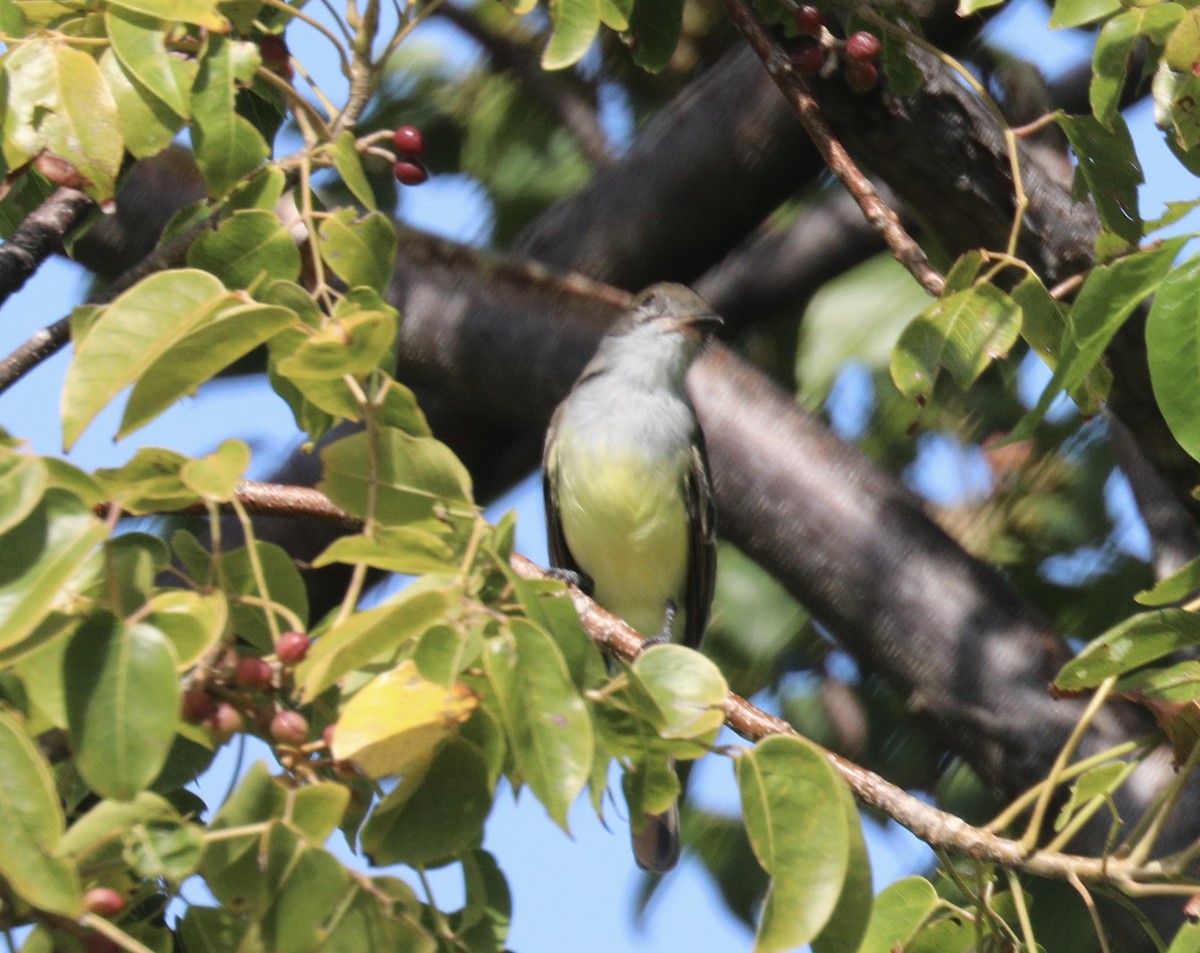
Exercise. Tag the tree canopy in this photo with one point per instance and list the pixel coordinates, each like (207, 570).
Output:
(862, 182)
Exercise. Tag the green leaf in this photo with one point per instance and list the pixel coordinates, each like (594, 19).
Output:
(548, 726)
(574, 25)
(139, 43)
(1135, 642)
(1115, 43)
(149, 483)
(317, 809)
(217, 476)
(58, 102)
(615, 14)
(128, 336)
(402, 549)
(798, 827)
(962, 333)
(689, 691)
(147, 125)
(31, 825)
(848, 923)
(247, 247)
(1078, 12)
(227, 145)
(212, 930)
(101, 823)
(416, 476)
(44, 560)
(1182, 51)
(427, 820)
(200, 12)
(373, 633)
(284, 585)
(23, 480)
(1176, 587)
(1110, 168)
(355, 342)
(349, 166)
(899, 911)
(654, 32)
(304, 884)
(1105, 301)
(1173, 352)
(191, 621)
(122, 703)
(1101, 780)
(165, 850)
(362, 252)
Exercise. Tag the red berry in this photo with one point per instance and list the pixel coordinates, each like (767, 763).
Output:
(409, 141)
(289, 727)
(104, 902)
(861, 76)
(253, 674)
(809, 20)
(808, 58)
(274, 51)
(863, 46)
(292, 647)
(410, 172)
(225, 722)
(197, 705)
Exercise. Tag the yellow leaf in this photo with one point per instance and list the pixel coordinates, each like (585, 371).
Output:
(396, 723)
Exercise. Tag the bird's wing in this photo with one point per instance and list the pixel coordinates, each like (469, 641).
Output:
(560, 555)
(702, 546)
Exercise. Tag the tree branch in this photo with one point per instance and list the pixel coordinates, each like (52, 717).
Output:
(40, 236)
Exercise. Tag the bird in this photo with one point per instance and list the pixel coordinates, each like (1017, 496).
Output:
(628, 493)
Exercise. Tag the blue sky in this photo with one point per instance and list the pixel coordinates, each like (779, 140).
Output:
(574, 893)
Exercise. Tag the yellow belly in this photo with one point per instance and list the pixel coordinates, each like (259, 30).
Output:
(626, 525)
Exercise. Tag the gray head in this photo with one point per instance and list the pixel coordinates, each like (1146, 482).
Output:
(658, 336)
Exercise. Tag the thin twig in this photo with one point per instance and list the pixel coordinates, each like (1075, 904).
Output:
(794, 90)
(939, 829)
(39, 236)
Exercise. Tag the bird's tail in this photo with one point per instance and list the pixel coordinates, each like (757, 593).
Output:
(656, 845)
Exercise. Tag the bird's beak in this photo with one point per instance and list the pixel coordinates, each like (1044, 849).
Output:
(704, 322)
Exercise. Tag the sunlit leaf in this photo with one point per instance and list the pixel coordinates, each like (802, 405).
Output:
(1130, 644)
(43, 559)
(1109, 165)
(250, 245)
(898, 913)
(200, 12)
(31, 824)
(216, 477)
(403, 549)
(349, 166)
(228, 147)
(1078, 12)
(574, 25)
(1173, 352)
(363, 251)
(397, 722)
(140, 44)
(58, 102)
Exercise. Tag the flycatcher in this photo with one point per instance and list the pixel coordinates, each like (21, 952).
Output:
(628, 496)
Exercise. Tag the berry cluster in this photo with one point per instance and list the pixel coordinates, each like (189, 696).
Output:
(235, 692)
(410, 146)
(811, 55)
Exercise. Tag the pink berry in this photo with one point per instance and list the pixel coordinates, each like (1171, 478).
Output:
(292, 647)
(253, 674)
(327, 735)
(289, 727)
(197, 705)
(104, 902)
(863, 46)
(409, 141)
(808, 58)
(861, 76)
(410, 172)
(275, 55)
(809, 20)
(225, 722)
